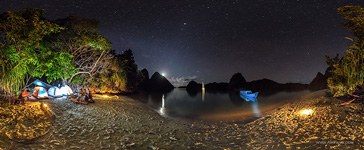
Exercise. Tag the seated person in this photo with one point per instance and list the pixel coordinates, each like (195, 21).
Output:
(26, 96)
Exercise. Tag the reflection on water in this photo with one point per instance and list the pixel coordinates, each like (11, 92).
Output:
(162, 109)
(256, 109)
(216, 106)
(203, 94)
(203, 91)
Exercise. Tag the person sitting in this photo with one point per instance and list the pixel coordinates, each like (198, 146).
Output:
(26, 96)
(88, 97)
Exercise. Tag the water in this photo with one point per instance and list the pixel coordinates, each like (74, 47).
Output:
(216, 106)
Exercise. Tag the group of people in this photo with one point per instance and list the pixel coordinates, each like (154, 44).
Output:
(84, 96)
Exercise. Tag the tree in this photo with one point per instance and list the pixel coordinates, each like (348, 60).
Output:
(127, 64)
(347, 75)
(121, 75)
(90, 50)
(22, 36)
(111, 79)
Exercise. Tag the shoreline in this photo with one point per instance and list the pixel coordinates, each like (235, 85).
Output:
(128, 123)
(330, 126)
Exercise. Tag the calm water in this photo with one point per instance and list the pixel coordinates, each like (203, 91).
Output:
(216, 106)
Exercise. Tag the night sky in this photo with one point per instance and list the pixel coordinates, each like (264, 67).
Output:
(283, 40)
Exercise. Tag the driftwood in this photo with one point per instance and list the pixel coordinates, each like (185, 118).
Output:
(356, 97)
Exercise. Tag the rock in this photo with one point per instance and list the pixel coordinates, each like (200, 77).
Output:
(193, 88)
(237, 81)
(319, 82)
(173, 138)
(158, 83)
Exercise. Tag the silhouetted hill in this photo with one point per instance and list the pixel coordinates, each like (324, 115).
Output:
(263, 84)
(320, 80)
(193, 86)
(237, 81)
(158, 83)
(216, 87)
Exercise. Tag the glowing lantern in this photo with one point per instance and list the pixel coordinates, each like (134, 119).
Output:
(306, 112)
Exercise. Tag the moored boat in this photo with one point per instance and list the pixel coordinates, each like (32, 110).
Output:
(249, 95)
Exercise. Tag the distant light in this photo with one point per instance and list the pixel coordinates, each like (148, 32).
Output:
(306, 112)
(163, 74)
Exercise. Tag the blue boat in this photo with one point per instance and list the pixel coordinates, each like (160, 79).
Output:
(249, 95)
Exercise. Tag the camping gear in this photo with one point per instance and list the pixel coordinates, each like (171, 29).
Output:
(55, 92)
(249, 95)
(66, 90)
(39, 83)
(40, 92)
(38, 88)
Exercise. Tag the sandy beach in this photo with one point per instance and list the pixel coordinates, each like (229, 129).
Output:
(110, 123)
(330, 126)
(124, 123)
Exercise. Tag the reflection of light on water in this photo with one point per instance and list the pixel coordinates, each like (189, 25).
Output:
(162, 109)
(203, 91)
(256, 109)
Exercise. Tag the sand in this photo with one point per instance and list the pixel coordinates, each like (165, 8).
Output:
(124, 123)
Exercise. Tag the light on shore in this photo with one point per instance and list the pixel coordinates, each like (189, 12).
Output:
(105, 96)
(306, 112)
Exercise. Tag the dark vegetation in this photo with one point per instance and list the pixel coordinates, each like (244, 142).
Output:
(69, 50)
(238, 82)
(347, 75)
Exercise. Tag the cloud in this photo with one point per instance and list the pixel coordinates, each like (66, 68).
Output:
(181, 81)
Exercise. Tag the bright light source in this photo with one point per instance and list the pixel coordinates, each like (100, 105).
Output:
(45, 105)
(163, 74)
(306, 112)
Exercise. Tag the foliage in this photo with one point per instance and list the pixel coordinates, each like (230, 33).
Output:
(90, 50)
(127, 64)
(121, 75)
(22, 34)
(110, 79)
(347, 74)
(68, 49)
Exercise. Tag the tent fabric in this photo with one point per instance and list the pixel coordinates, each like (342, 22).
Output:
(40, 83)
(40, 92)
(66, 90)
(55, 92)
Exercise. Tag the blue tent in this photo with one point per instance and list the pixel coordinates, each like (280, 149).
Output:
(39, 88)
(39, 83)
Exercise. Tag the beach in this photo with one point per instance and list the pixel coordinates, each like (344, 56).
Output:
(121, 122)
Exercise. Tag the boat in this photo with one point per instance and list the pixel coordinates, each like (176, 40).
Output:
(249, 95)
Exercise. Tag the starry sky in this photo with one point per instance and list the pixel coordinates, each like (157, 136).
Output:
(209, 40)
